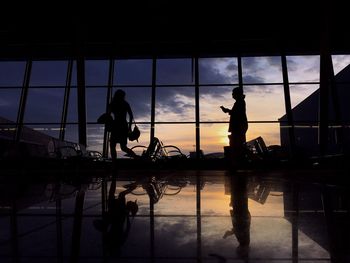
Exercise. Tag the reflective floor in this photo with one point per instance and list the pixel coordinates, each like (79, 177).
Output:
(174, 216)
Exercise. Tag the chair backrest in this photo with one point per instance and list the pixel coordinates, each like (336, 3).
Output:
(257, 146)
(261, 146)
(156, 150)
(62, 149)
(152, 148)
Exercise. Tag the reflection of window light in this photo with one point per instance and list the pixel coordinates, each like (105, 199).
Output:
(8, 129)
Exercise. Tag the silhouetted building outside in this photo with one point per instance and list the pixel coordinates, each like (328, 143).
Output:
(306, 120)
(33, 143)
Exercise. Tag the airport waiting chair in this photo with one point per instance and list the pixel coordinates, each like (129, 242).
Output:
(156, 150)
(69, 150)
(256, 150)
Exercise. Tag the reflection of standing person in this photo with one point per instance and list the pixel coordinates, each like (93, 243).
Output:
(240, 214)
(238, 119)
(120, 107)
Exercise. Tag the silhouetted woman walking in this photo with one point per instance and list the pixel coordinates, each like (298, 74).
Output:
(120, 107)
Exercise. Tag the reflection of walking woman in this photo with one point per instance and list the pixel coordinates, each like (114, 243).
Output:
(120, 107)
(116, 223)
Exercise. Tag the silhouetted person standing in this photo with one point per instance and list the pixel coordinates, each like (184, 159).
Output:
(238, 118)
(119, 107)
(238, 122)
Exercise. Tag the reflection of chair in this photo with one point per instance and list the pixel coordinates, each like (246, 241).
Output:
(156, 150)
(156, 188)
(259, 191)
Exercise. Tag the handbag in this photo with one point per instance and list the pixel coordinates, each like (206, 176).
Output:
(134, 134)
(106, 119)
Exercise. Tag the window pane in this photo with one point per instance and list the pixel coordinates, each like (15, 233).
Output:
(214, 138)
(303, 68)
(139, 99)
(95, 103)
(44, 105)
(262, 70)
(12, 73)
(218, 71)
(71, 133)
(174, 71)
(210, 100)
(264, 103)
(340, 62)
(95, 137)
(299, 93)
(96, 72)
(9, 103)
(74, 74)
(133, 72)
(48, 73)
(175, 104)
(72, 115)
(270, 132)
(182, 136)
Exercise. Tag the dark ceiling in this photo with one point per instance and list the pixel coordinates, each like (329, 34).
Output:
(173, 29)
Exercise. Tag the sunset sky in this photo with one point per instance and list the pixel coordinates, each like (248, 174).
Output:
(175, 96)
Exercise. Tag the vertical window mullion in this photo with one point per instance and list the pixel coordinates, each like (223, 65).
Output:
(153, 98)
(66, 100)
(23, 100)
(198, 147)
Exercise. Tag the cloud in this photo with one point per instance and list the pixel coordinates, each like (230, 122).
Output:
(303, 68)
(340, 62)
(261, 69)
(218, 71)
(178, 236)
(179, 101)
